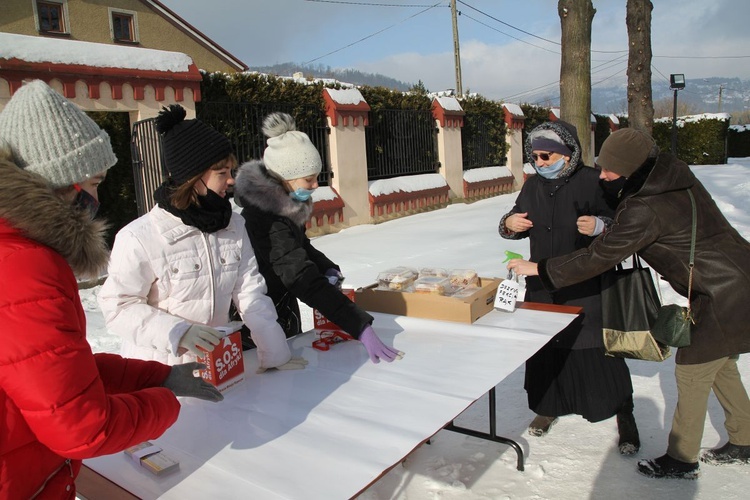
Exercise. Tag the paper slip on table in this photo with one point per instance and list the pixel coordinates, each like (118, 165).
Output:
(331, 430)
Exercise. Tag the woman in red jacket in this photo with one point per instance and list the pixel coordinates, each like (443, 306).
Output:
(59, 402)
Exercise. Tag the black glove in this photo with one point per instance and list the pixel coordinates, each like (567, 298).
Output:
(182, 382)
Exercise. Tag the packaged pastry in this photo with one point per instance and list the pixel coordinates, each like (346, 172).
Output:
(397, 278)
(432, 284)
(433, 271)
(461, 278)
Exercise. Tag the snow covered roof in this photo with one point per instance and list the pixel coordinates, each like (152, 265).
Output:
(24, 57)
(513, 109)
(35, 49)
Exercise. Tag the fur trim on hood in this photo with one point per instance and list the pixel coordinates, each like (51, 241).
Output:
(30, 205)
(567, 133)
(257, 187)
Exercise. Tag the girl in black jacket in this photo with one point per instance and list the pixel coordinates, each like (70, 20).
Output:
(275, 195)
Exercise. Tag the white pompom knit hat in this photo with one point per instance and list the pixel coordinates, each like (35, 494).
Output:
(49, 135)
(290, 153)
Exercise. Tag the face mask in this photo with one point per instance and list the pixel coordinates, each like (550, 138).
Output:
(301, 194)
(551, 171)
(613, 188)
(85, 201)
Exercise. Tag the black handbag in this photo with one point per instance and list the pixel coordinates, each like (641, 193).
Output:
(672, 326)
(630, 306)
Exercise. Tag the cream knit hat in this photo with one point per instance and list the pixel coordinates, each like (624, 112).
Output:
(290, 153)
(51, 136)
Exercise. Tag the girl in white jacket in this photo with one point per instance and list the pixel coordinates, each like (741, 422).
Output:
(175, 271)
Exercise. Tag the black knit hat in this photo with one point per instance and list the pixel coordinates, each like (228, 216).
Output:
(190, 146)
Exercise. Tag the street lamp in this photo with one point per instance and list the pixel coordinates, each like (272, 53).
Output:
(676, 83)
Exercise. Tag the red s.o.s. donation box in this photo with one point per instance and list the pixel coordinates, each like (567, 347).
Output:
(225, 366)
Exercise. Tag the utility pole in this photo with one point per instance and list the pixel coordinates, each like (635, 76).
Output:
(456, 51)
(721, 88)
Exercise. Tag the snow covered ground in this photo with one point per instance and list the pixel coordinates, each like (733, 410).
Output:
(576, 459)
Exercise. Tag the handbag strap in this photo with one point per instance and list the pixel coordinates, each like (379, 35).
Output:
(691, 264)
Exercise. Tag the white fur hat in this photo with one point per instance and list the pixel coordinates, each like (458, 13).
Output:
(290, 153)
(51, 136)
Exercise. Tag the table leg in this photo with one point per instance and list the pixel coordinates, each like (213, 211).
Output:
(492, 435)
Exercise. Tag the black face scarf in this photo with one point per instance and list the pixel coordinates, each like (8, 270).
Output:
(212, 213)
(613, 189)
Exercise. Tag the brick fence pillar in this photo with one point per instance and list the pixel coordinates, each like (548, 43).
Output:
(348, 114)
(450, 118)
(514, 120)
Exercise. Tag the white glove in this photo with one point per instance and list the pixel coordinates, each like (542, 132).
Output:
(199, 339)
(292, 364)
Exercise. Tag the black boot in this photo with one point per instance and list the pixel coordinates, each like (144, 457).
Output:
(666, 466)
(629, 442)
(541, 425)
(727, 454)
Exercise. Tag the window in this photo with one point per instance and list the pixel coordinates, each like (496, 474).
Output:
(123, 26)
(51, 16)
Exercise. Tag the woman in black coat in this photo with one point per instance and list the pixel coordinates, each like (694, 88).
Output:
(561, 209)
(654, 219)
(275, 195)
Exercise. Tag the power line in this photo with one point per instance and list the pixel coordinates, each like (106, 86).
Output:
(702, 57)
(508, 25)
(531, 34)
(368, 4)
(371, 35)
(598, 68)
(506, 34)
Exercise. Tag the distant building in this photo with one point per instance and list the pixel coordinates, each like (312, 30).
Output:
(132, 23)
(133, 56)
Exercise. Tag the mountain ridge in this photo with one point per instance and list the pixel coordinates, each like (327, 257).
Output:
(700, 95)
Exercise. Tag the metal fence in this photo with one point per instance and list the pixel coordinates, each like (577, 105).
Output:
(148, 163)
(477, 146)
(401, 142)
(242, 122)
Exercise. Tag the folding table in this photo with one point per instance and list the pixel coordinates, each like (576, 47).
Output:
(333, 429)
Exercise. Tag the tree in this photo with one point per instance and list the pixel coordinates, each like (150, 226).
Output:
(664, 108)
(640, 99)
(576, 17)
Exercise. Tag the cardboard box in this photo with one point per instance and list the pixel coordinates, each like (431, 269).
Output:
(429, 306)
(226, 366)
(320, 322)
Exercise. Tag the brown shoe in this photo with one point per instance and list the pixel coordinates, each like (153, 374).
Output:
(541, 425)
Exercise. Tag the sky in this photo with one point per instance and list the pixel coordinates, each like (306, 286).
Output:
(576, 459)
(507, 47)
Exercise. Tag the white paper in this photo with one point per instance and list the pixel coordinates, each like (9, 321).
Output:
(506, 295)
(330, 430)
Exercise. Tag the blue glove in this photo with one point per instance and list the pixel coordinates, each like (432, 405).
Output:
(376, 348)
(334, 277)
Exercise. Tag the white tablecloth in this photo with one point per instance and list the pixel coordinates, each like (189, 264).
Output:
(329, 431)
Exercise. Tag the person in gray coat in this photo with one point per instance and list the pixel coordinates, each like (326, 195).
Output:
(653, 218)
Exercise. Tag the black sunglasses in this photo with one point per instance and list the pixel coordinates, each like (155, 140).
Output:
(543, 156)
